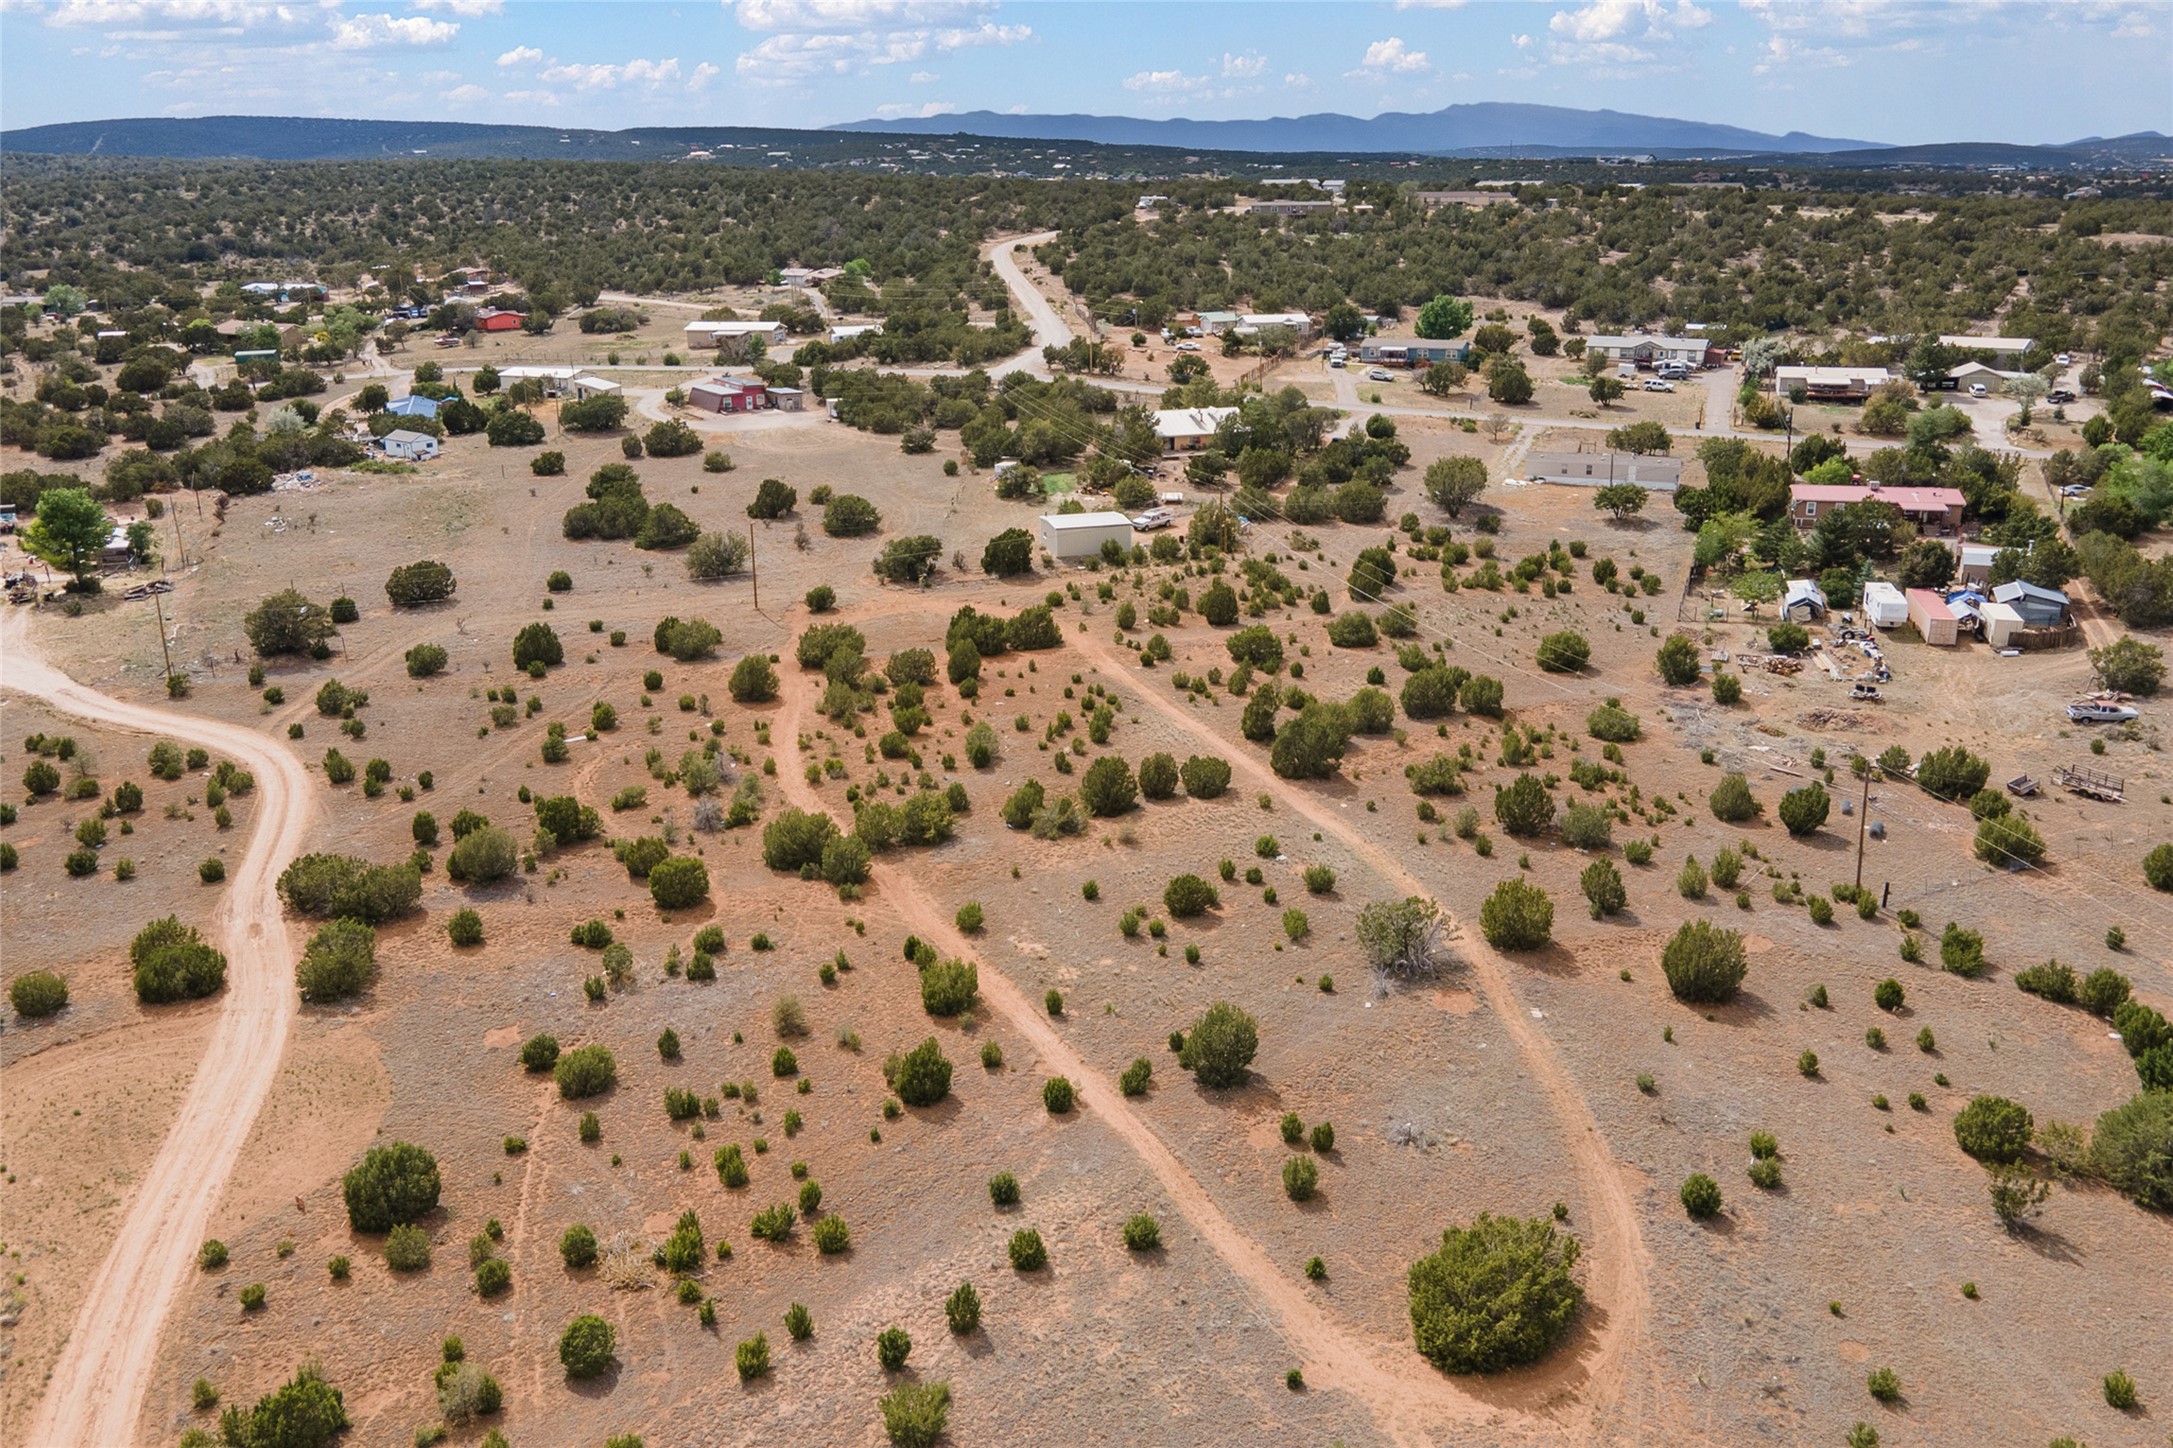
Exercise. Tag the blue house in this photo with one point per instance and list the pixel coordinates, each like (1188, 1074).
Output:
(412, 406)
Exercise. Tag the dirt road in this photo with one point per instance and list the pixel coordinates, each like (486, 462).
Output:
(97, 1388)
(1048, 328)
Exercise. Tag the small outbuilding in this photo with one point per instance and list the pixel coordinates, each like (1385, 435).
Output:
(414, 447)
(1077, 537)
(1933, 619)
(2039, 607)
(1884, 605)
(413, 406)
(2001, 624)
(1976, 564)
(1804, 601)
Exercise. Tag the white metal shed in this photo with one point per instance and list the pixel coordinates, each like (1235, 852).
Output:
(1076, 537)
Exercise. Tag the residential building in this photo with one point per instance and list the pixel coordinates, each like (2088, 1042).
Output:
(1435, 200)
(846, 331)
(414, 447)
(1077, 537)
(412, 406)
(1413, 351)
(1188, 429)
(1829, 384)
(2039, 607)
(1646, 350)
(786, 399)
(1251, 322)
(805, 276)
(1597, 470)
(494, 319)
(1935, 511)
(728, 394)
(1976, 563)
(733, 339)
(1214, 324)
(1803, 601)
(1970, 374)
(1280, 207)
(2004, 346)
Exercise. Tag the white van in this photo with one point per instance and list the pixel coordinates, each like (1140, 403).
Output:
(1978, 389)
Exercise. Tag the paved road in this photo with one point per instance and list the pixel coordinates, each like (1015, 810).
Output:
(95, 1392)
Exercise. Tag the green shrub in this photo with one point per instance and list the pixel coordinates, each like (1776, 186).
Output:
(304, 1412)
(393, 1184)
(539, 1053)
(37, 994)
(914, 1414)
(831, 1235)
(924, 1075)
(1517, 916)
(2132, 1147)
(407, 1248)
(585, 1348)
(962, 1309)
(1993, 1129)
(1700, 1195)
(1220, 1047)
(1952, 773)
(1804, 809)
(1732, 801)
(1003, 1189)
(1301, 1178)
(173, 963)
(1187, 896)
(2052, 980)
(1887, 995)
(1027, 1252)
(1961, 951)
(585, 1071)
(948, 987)
(1884, 1384)
(892, 1345)
(1142, 1233)
(212, 1255)
(1497, 1294)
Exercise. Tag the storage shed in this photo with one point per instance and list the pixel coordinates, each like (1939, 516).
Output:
(2001, 624)
(415, 447)
(1933, 619)
(412, 406)
(2039, 607)
(1884, 606)
(1804, 601)
(1076, 537)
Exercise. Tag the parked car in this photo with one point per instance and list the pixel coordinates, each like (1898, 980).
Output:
(2075, 490)
(2099, 711)
(2064, 360)
(1188, 346)
(1380, 374)
(1337, 362)
(2059, 395)
(1152, 519)
(1658, 384)
(1978, 389)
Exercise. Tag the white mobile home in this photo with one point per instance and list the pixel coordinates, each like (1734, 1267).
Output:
(414, 447)
(1077, 537)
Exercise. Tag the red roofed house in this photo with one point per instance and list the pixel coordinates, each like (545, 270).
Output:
(491, 319)
(1933, 510)
(729, 394)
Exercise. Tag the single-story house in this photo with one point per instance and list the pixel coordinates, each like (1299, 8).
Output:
(786, 399)
(734, 338)
(116, 553)
(1976, 564)
(2039, 607)
(1188, 429)
(1413, 351)
(1214, 324)
(494, 319)
(1598, 469)
(1933, 619)
(1846, 384)
(1297, 322)
(807, 276)
(846, 331)
(1149, 202)
(1933, 510)
(415, 447)
(412, 406)
(1646, 350)
(585, 386)
(2001, 623)
(556, 381)
(1076, 537)
(1884, 605)
(259, 354)
(2005, 346)
(1435, 200)
(1803, 601)
(1280, 207)
(1971, 373)
(728, 394)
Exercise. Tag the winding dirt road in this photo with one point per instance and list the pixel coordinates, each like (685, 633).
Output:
(1409, 1401)
(97, 1388)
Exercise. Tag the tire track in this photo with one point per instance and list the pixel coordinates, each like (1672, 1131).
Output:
(95, 1392)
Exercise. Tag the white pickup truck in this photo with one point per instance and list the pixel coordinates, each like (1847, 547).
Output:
(1152, 519)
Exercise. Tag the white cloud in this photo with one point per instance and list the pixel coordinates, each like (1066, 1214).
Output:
(373, 32)
(808, 38)
(521, 55)
(465, 95)
(922, 77)
(1163, 82)
(1297, 80)
(1429, 4)
(1602, 20)
(1782, 53)
(1248, 66)
(99, 13)
(1521, 42)
(532, 98)
(922, 111)
(1391, 57)
(702, 76)
(649, 73)
(471, 9)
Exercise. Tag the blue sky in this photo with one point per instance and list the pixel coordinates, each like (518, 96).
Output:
(1889, 70)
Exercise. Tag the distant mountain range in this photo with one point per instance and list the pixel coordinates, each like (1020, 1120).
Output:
(1488, 127)
(1032, 143)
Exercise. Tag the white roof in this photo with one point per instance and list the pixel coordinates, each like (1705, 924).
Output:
(1979, 553)
(1880, 588)
(1065, 522)
(2004, 612)
(854, 329)
(1639, 339)
(594, 384)
(734, 329)
(1833, 376)
(1804, 588)
(1986, 344)
(402, 435)
(1275, 319)
(1191, 421)
(520, 371)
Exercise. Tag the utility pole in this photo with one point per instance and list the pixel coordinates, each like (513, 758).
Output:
(158, 604)
(754, 575)
(1862, 810)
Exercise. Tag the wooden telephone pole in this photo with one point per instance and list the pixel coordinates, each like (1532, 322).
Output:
(754, 575)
